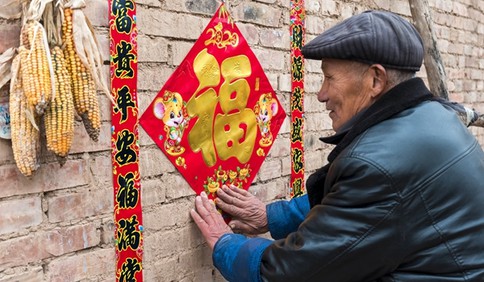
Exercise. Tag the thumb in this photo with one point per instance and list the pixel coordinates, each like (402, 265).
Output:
(233, 223)
(241, 227)
(236, 225)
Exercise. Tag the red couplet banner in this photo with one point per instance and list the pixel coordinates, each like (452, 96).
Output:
(217, 116)
(297, 33)
(124, 139)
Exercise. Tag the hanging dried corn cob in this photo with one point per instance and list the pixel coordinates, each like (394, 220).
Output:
(24, 131)
(59, 116)
(83, 87)
(36, 67)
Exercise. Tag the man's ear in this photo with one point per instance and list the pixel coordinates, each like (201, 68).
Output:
(380, 80)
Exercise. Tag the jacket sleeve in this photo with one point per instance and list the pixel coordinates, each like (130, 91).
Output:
(284, 217)
(354, 235)
(238, 257)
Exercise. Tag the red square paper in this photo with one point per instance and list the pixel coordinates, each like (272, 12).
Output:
(217, 116)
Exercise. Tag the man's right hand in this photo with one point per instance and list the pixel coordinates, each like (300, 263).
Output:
(248, 212)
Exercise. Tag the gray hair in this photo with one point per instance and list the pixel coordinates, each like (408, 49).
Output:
(395, 76)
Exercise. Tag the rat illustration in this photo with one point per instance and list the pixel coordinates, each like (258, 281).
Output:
(171, 110)
(265, 109)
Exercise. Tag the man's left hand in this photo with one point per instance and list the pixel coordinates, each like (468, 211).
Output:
(209, 220)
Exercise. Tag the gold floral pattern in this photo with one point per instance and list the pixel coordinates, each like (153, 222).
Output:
(227, 177)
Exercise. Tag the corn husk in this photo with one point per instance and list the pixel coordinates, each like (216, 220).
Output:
(36, 9)
(87, 46)
(5, 65)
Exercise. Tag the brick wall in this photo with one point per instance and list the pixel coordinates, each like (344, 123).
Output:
(58, 226)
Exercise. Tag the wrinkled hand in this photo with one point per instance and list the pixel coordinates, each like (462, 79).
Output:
(209, 220)
(248, 213)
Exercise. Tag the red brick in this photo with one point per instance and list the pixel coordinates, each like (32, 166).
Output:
(199, 258)
(250, 33)
(9, 35)
(67, 240)
(329, 7)
(272, 190)
(171, 242)
(19, 214)
(49, 177)
(270, 169)
(153, 192)
(173, 214)
(97, 12)
(29, 274)
(280, 147)
(271, 59)
(160, 269)
(275, 38)
(154, 76)
(22, 251)
(177, 186)
(83, 204)
(285, 166)
(196, 274)
(82, 143)
(146, 52)
(144, 138)
(265, 15)
(314, 24)
(286, 126)
(180, 50)
(162, 23)
(107, 231)
(153, 3)
(82, 266)
(102, 37)
(73, 173)
(6, 153)
(101, 168)
(40, 245)
(154, 162)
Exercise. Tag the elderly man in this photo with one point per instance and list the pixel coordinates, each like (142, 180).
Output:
(402, 196)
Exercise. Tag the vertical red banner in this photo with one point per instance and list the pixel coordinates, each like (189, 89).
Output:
(124, 140)
(297, 33)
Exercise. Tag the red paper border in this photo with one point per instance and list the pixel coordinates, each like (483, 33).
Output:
(125, 147)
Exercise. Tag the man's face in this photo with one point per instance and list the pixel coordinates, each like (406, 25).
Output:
(344, 89)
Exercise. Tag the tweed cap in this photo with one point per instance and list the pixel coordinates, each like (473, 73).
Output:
(372, 37)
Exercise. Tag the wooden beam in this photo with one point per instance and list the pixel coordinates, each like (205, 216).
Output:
(433, 62)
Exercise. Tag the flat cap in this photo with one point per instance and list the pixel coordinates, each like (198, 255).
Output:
(372, 37)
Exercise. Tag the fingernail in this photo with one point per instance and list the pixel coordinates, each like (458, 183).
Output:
(203, 194)
(232, 226)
